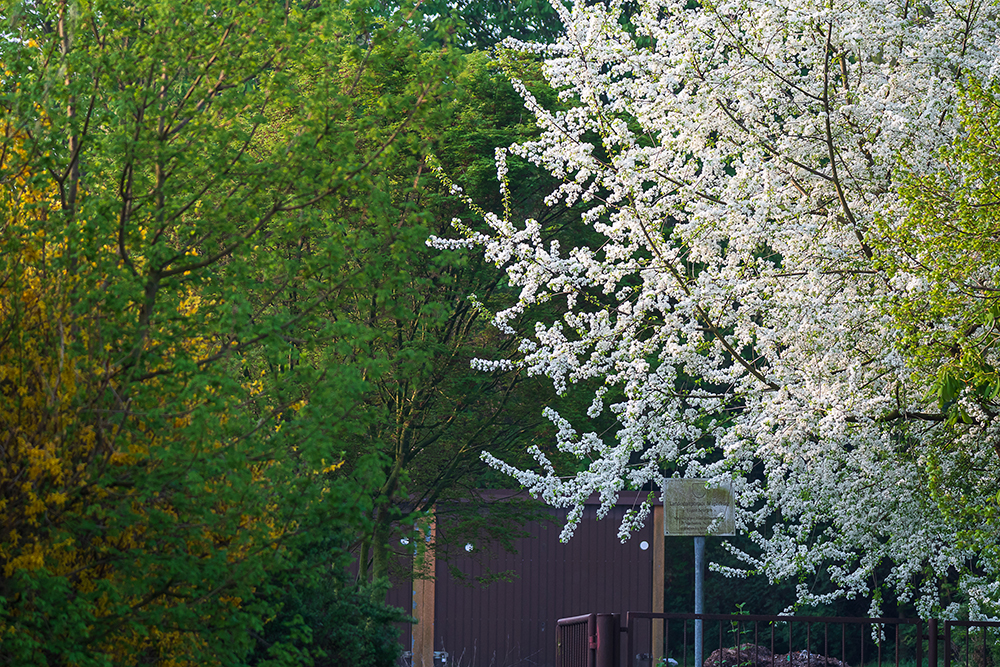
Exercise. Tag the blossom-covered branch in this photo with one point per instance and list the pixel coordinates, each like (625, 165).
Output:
(738, 163)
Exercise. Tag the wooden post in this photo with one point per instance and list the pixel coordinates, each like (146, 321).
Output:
(423, 597)
(659, 564)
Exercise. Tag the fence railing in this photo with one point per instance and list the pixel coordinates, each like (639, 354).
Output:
(971, 644)
(775, 641)
(667, 640)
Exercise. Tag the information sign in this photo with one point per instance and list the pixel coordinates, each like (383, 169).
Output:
(693, 507)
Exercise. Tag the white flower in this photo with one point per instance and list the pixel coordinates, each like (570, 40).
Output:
(731, 157)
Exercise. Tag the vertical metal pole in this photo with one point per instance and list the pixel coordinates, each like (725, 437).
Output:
(699, 598)
(607, 640)
(947, 644)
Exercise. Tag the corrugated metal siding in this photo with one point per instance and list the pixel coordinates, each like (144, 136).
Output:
(401, 595)
(512, 624)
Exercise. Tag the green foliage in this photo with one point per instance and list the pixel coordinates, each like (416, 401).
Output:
(195, 194)
(433, 414)
(947, 247)
(944, 261)
(481, 24)
(222, 332)
(329, 623)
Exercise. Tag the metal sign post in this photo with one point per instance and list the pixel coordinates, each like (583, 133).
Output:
(698, 508)
(699, 599)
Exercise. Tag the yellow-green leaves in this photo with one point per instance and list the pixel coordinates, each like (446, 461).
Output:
(173, 270)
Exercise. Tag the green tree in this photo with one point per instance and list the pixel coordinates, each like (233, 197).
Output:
(482, 24)
(178, 367)
(432, 413)
(944, 260)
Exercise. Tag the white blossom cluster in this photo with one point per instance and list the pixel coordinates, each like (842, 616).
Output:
(732, 156)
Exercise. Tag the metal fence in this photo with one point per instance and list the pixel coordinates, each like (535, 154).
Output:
(774, 641)
(971, 644)
(668, 640)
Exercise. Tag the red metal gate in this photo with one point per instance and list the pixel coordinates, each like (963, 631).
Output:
(576, 641)
(588, 641)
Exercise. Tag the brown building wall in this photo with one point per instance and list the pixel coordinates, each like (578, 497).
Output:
(401, 595)
(512, 623)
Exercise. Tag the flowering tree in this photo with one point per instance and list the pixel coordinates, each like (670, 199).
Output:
(738, 294)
